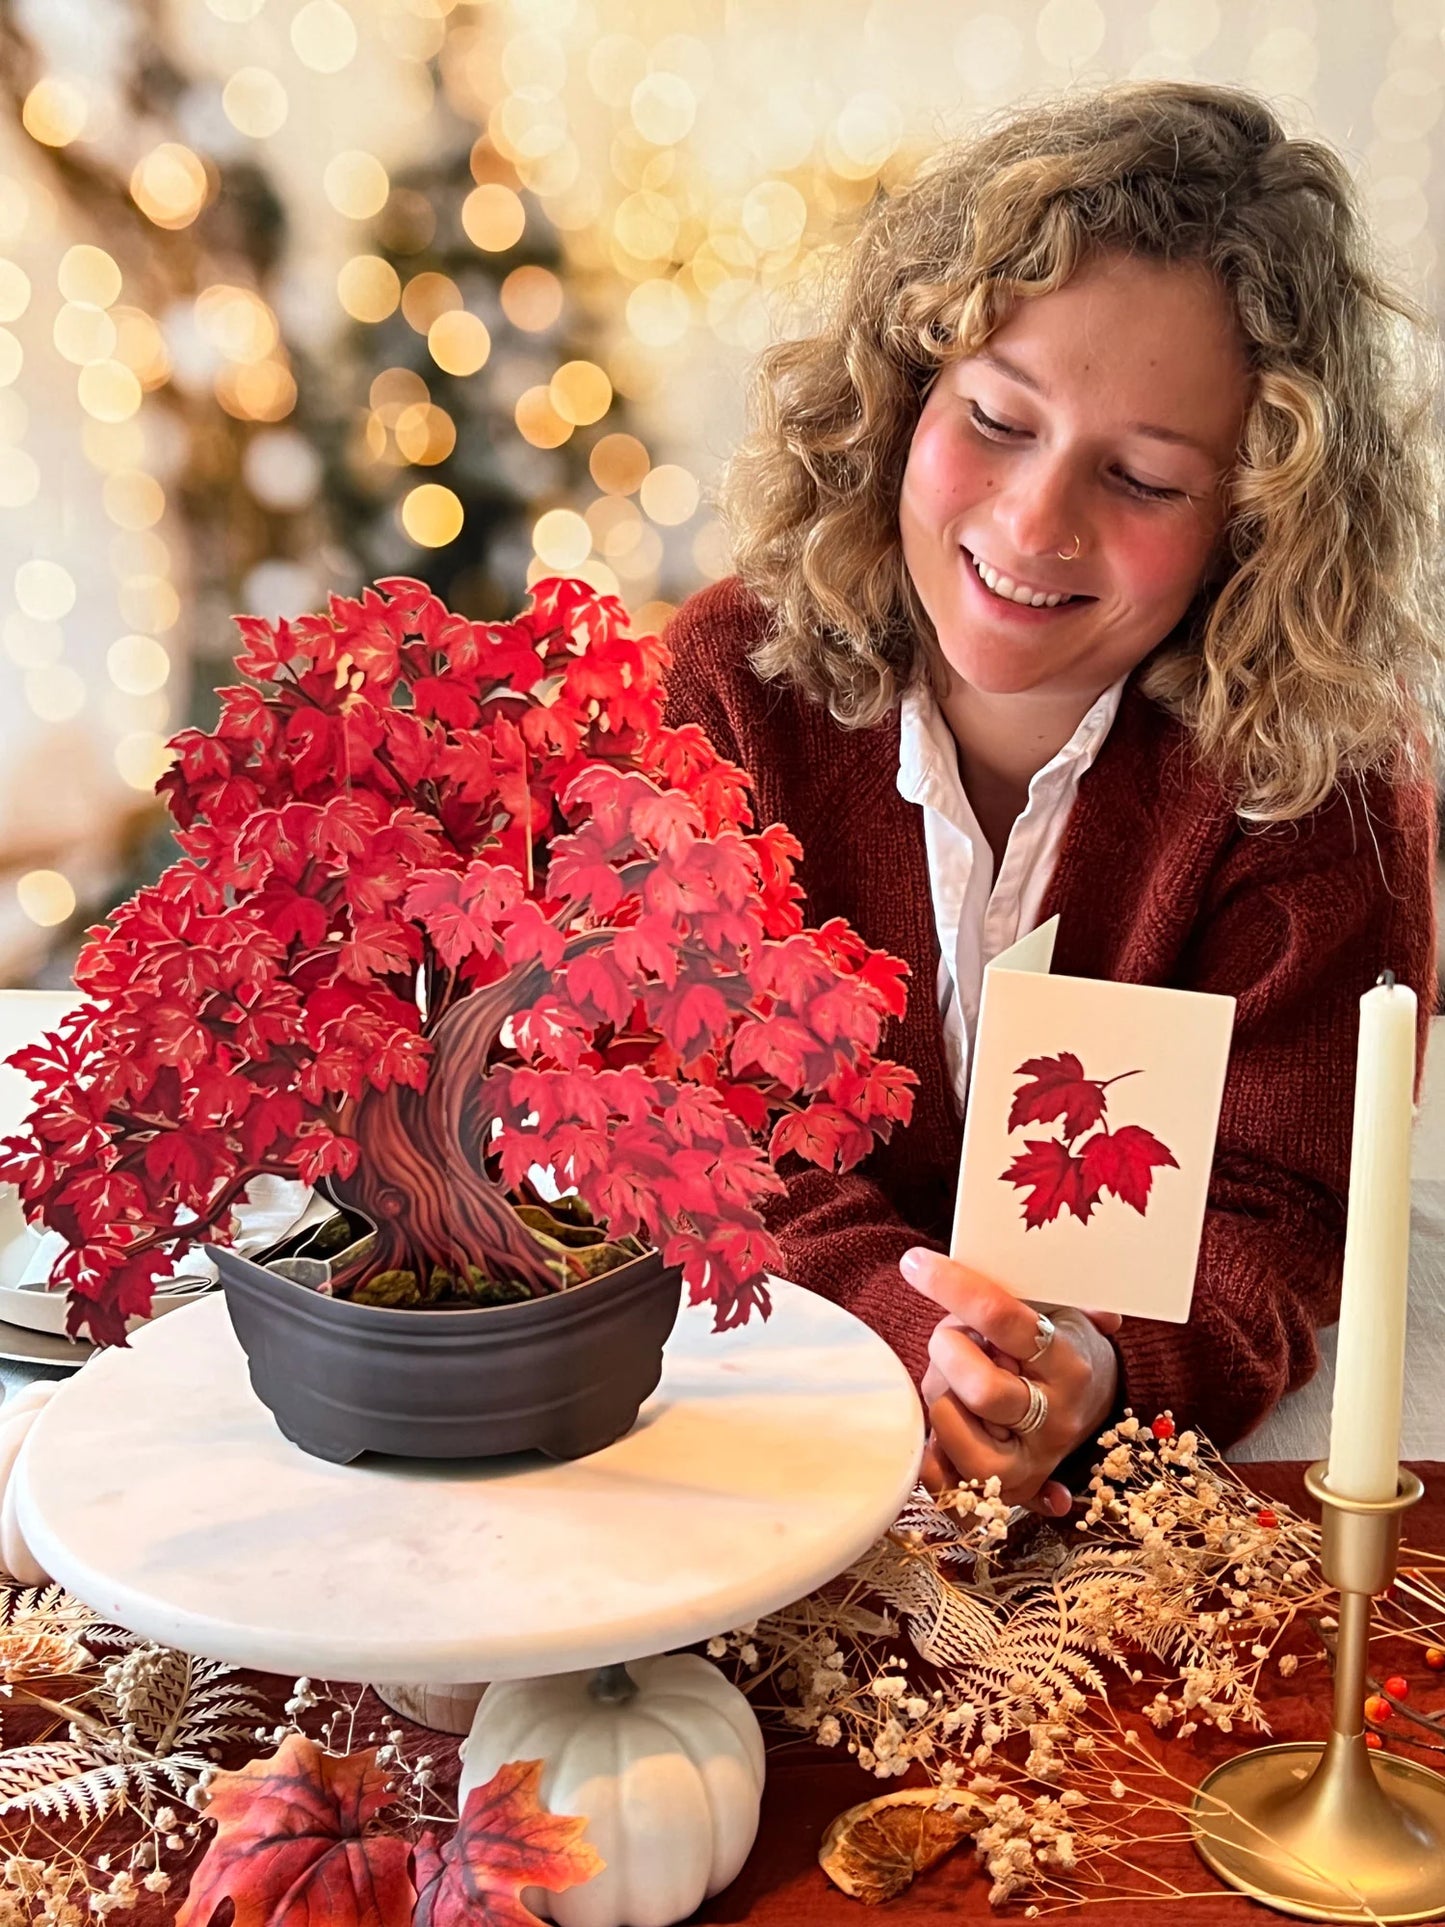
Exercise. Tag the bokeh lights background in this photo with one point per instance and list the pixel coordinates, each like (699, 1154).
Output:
(294, 293)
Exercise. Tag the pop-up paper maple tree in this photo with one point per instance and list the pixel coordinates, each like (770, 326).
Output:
(454, 903)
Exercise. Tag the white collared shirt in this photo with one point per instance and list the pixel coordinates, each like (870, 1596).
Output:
(976, 914)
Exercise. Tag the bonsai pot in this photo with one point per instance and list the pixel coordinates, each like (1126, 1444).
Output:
(563, 1374)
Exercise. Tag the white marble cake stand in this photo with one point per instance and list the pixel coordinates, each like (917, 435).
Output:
(160, 1492)
(156, 1486)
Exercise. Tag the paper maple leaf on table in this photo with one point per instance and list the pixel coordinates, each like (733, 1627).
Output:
(505, 1841)
(1063, 1173)
(301, 1842)
(297, 1845)
(454, 901)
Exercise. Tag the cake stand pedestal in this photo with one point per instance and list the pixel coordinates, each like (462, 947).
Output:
(156, 1487)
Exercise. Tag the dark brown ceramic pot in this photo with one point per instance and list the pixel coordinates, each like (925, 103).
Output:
(564, 1375)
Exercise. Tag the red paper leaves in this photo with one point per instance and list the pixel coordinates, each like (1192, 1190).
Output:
(1059, 1175)
(292, 1846)
(460, 909)
(412, 812)
(505, 1841)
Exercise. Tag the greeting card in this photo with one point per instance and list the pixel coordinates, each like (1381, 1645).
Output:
(1092, 1114)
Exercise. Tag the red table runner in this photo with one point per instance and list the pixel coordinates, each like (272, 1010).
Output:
(782, 1884)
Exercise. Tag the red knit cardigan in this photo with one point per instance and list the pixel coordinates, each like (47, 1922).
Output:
(1157, 882)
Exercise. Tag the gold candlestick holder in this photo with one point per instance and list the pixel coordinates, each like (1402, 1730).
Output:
(1330, 1829)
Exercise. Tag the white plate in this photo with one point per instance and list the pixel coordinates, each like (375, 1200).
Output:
(34, 1308)
(279, 1209)
(21, 1347)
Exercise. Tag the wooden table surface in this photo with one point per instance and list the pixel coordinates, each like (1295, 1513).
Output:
(782, 1884)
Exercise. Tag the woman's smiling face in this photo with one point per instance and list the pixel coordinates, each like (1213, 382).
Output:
(1103, 419)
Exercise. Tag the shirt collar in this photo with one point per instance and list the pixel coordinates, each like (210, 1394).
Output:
(1088, 739)
(928, 759)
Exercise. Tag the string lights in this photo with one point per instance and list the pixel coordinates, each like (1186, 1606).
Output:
(693, 166)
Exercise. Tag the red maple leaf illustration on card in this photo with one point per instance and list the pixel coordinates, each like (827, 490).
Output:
(1124, 1161)
(1072, 1171)
(1054, 1179)
(1057, 1088)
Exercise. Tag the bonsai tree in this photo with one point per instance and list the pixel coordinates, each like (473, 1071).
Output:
(454, 903)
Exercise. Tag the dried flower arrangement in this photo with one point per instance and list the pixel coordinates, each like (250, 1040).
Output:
(134, 1803)
(124, 1733)
(1179, 1561)
(973, 1642)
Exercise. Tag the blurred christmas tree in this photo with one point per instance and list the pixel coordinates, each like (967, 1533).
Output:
(447, 412)
(421, 424)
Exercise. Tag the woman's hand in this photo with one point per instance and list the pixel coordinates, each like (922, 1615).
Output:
(976, 1388)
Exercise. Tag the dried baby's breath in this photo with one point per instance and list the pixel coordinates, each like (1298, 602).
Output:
(976, 1643)
(135, 1734)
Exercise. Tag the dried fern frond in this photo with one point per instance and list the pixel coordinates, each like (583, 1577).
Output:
(986, 1631)
(48, 1608)
(92, 1793)
(164, 1702)
(24, 1768)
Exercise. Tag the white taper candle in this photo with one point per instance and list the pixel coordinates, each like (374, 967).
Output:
(1370, 1357)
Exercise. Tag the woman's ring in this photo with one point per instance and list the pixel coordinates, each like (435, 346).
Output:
(1046, 1338)
(1037, 1413)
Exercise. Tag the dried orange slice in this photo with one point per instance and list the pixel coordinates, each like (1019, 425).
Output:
(40, 1655)
(874, 1850)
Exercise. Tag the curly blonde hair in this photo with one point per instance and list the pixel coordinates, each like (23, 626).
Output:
(1316, 647)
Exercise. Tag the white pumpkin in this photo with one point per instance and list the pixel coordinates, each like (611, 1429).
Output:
(670, 1779)
(17, 1415)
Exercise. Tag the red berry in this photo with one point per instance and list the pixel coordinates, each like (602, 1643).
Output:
(1377, 1710)
(1267, 1517)
(1373, 1740)
(1397, 1686)
(1163, 1427)
(1435, 1658)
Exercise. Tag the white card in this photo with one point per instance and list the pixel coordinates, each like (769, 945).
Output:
(1092, 1114)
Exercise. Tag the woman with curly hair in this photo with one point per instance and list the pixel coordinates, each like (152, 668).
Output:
(1086, 564)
